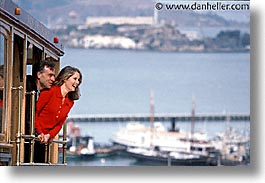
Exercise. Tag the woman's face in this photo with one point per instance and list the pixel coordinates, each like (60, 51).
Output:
(72, 82)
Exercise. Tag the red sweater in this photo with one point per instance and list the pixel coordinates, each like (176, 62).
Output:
(50, 112)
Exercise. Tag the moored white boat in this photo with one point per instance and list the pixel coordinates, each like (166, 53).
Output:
(170, 158)
(82, 147)
(160, 145)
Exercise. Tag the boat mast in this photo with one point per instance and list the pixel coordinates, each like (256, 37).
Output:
(192, 119)
(152, 112)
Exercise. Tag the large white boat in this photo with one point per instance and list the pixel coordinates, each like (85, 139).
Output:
(175, 147)
(159, 145)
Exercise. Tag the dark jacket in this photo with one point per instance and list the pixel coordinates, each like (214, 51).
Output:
(30, 86)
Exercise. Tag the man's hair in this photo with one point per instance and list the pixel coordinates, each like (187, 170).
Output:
(40, 65)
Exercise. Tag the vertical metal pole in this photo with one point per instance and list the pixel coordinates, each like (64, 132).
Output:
(192, 118)
(46, 153)
(64, 144)
(152, 113)
(18, 137)
(32, 125)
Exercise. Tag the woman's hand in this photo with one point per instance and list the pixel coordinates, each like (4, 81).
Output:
(46, 138)
(41, 137)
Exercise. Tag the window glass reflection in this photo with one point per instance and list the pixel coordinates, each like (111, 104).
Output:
(2, 61)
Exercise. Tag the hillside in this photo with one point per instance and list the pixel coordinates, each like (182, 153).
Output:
(192, 31)
(57, 12)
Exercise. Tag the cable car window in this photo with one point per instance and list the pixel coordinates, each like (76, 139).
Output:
(29, 69)
(2, 65)
(30, 51)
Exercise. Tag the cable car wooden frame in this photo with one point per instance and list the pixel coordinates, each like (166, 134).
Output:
(23, 41)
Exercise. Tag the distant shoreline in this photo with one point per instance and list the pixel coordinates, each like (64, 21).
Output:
(159, 51)
(166, 38)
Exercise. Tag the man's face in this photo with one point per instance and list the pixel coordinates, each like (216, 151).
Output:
(46, 78)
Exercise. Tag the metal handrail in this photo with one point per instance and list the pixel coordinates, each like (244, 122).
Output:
(32, 138)
(18, 135)
(32, 126)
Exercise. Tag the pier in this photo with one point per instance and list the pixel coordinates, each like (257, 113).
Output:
(157, 117)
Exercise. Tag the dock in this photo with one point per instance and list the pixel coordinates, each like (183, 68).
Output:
(158, 117)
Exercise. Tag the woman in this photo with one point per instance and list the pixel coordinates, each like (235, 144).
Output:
(54, 105)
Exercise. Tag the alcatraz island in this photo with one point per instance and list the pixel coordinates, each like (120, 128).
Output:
(140, 33)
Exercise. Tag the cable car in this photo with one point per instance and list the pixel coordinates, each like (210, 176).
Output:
(23, 42)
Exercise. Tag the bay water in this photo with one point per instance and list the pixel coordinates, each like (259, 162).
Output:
(120, 81)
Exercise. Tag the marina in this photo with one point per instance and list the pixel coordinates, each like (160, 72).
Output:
(124, 156)
(156, 144)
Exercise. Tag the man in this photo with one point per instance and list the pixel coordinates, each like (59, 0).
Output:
(43, 76)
